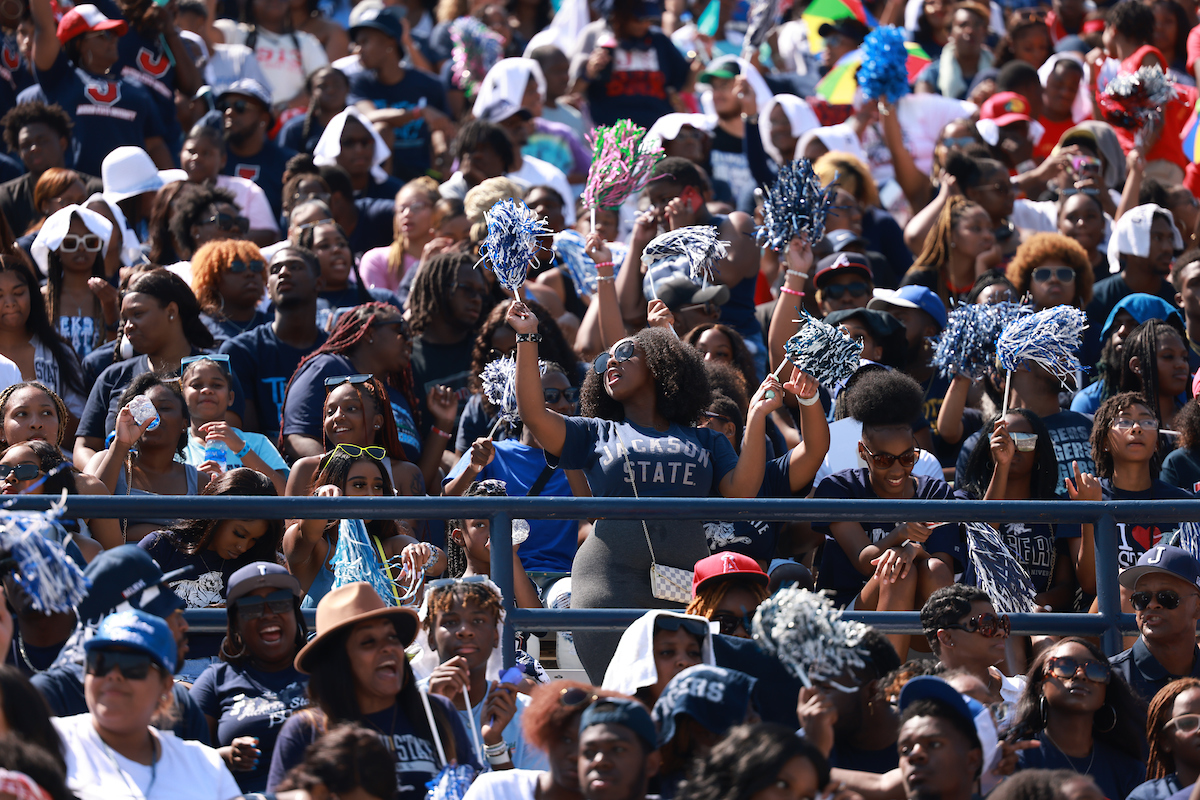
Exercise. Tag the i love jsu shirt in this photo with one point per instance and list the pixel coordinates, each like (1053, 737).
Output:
(108, 112)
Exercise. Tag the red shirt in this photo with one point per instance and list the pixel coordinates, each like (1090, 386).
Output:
(1054, 132)
(1176, 115)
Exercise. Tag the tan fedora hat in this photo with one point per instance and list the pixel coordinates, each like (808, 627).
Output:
(346, 605)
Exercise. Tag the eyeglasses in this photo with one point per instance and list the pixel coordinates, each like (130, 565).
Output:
(730, 622)
(300, 197)
(553, 395)
(695, 627)
(573, 697)
(1025, 442)
(354, 451)
(71, 243)
(239, 106)
(885, 460)
(405, 331)
(621, 353)
(958, 141)
(987, 624)
(1184, 723)
(1073, 192)
(133, 666)
(715, 415)
(21, 472)
(353, 380)
(237, 266)
(228, 222)
(1065, 668)
(442, 583)
(1128, 424)
(838, 290)
(1167, 598)
(316, 223)
(278, 603)
(1064, 274)
(220, 359)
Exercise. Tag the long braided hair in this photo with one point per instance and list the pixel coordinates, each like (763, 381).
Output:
(309, 82)
(373, 396)
(1161, 762)
(1143, 342)
(935, 255)
(429, 298)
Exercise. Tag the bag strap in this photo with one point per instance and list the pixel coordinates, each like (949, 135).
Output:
(433, 728)
(633, 482)
(540, 484)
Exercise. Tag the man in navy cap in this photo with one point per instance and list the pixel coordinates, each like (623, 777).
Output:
(1167, 604)
(617, 750)
(245, 106)
(121, 579)
(843, 281)
(940, 753)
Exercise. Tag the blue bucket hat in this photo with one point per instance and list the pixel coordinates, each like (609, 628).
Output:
(716, 697)
(138, 631)
(622, 711)
(1142, 306)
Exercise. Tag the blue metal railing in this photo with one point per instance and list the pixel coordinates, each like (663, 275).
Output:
(1109, 623)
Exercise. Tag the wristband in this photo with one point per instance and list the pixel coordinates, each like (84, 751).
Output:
(605, 278)
(795, 273)
(438, 431)
(600, 264)
(500, 760)
(500, 748)
(240, 454)
(529, 337)
(793, 292)
(808, 401)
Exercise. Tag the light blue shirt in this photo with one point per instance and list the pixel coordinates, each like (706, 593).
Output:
(523, 754)
(194, 453)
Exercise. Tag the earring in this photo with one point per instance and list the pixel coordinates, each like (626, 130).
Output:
(170, 317)
(1045, 710)
(1111, 724)
(376, 426)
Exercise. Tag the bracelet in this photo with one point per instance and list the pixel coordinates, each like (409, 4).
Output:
(491, 750)
(795, 273)
(604, 278)
(438, 431)
(500, 760)
(809, 401)
(786, 290)
(529, 337)
(240, 454)
(600, 264)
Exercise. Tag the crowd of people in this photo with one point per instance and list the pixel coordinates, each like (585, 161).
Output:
(242, 255)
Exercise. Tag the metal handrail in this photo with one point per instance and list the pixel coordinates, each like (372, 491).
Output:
(1109, 623)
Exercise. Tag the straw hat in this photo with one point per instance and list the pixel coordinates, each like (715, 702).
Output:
(347, 605)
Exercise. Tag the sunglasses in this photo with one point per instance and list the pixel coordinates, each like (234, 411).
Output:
(1167, 598)
(1065, 668)
(621, 353)
(715, 415)
(554, 395)
(237, 266)
(987, 624)
(316, 223)
(693, 626)
(1073, 192)
(573, 697)
(354, 451)
(71, 243)
(1064, 274)
(1185, 723)
(133, 666)
(730, 622)
(278, 603)
(228, 222)
(442, 583)
(300, 197)
(838, 290)
(239, 106)
(353, 380)
(958, 141)
(21, 472)
(220, 359)
(1024, 442)
(885, 460)
(1129, 424)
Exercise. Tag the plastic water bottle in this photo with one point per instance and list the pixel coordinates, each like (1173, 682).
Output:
(142, 410)
(215, 451)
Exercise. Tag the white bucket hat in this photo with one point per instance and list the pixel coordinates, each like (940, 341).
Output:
(128, 171)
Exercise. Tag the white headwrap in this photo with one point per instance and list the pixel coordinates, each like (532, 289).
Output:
(836, 137)
(1081, 107)
(329, 146)
(799, 113)
(667, 126)
(1131, 234)
(507, 81)
(50, 237)
(762, 92)
(632, 665)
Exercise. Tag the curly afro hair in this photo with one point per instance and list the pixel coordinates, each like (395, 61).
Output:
(33, 113)
(1132, 19)
(191, 205)
(1106, 414)
(886, 399)
(1187, 422)
(681, 387)
(1051, 248)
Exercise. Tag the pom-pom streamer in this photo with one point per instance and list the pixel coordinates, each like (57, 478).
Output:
(967, 346)
(512, 242)
(499, 379)
(794, 207)
(476, 48)
(33, 544)
(699, 244)
(759, 22)
(355, 560)
(1050, 338)
(804, 631)
(622, 158)
(884, 72)
(569, 249)
(823, 351)
(997, 570)
(1132, 99)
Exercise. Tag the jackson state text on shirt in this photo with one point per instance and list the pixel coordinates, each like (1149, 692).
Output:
(637, 73)
(668, 445)
(413, 755)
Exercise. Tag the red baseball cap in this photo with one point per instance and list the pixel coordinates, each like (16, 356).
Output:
(87, 19)
(725, 565)
(1005, 108)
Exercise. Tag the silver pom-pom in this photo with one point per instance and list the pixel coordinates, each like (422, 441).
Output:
(499, 379)
(42, 569)
(699, 244)
(794, 207)
(997, 570)
(967, 345)
(512, 242)
(1050, 338)
(574, 260)
(808, 635)
(823, 351)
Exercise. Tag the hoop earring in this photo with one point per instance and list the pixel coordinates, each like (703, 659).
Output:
(1111, 724)
(1044, 710)
(231, 656)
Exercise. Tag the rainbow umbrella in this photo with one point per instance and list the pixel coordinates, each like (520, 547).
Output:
(1189, 140)
(839, 84)
(830, 11)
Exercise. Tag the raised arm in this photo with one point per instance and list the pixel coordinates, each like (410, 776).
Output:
(783, 324)
(106, 465)
(45, 35)
(745, 480)
(913, 182)
(629, 282)
(805, 458)
(547, 426)
(950, 415)
(612, 326)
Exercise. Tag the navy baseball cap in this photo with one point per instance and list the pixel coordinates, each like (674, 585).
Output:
(839, 264)
(911, 296)
(934, 688)
(388, 20)
(716, 697)
(840, 239)
(137, 630)
(260, 575)
(126, 577)
(1163, 558)
(622, 711)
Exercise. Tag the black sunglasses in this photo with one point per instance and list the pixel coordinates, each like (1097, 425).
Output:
(133, 666)
(623, 352)
(553, 395)
(1073, 192)
(1064, 668)
(21, 472)
(237, 266)
(239, 106)
(354, 380)
(1167, 598)
(228, 222)
(1064, 274)
(693, 626)
(885, 460)
(730, 622)
(988, 625)
(279, 603)
(838, 290)
(573, 697)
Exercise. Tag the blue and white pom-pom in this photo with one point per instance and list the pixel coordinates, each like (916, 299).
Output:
(513, 229)
(883, 73)
(355, 560)
(1188, 538)
(43, 570)
(794, 207)
(823, 351)
(699, 244)
(1049, 338)
(760, 21)
(569, 249)
(499, 379)
(451, 783)
(967, 345)
(997, 570)
(804, 631)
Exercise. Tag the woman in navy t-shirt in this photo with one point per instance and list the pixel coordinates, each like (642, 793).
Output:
(636, 439)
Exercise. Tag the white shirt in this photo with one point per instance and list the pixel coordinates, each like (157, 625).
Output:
(509, 784)
(10, 373)
(184, 771)
(284, 68)
(535, 172)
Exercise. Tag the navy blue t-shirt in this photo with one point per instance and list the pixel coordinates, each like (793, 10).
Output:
(249, 702)
(14, 74)
(260, 360)
(410, 152)
(107, 113)
(204, 586)
(754, 538)
(374, 228)
(1070, 434)
(635, 84)
(1034, 545)
(1114, 772)
(291, 135)
(1135, 538)
(381, 191)
(264, 168)
(838, 572)
(146, 62)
